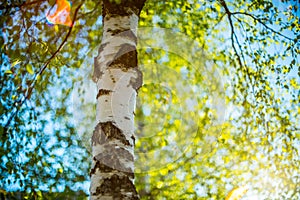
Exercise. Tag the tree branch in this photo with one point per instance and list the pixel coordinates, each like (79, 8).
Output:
(234, 37)
(42, 69)
(262, 23)
(2, 7)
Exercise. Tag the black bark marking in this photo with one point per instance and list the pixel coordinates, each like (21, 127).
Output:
(137, 82)
(102, 167)
(115, 184)
(125, 58)
(124, 8)
(112, 78)
(107, 131)
(103, 92)
(117, 31)
(127, 118)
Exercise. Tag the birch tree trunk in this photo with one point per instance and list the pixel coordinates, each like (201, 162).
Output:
(118, 78)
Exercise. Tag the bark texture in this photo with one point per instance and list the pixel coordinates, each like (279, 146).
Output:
(118, 78)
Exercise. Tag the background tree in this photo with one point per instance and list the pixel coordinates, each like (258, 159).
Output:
(254, 47)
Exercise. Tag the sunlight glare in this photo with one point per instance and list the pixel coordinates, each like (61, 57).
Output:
(237, 193)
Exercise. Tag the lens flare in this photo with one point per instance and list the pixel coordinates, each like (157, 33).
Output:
(237, 193)
(60, 14)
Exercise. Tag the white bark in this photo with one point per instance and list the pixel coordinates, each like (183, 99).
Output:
(118, 79)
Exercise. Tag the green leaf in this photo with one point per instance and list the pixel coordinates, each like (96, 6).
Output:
(39, 193)
(29, 69)
(8, 72)
(15, 63)
(52, 2)
(293, 62)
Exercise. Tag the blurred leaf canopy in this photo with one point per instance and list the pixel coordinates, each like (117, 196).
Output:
(219, 107)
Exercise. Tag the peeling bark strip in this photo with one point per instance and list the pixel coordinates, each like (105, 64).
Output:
(105, 132)
(118, 78)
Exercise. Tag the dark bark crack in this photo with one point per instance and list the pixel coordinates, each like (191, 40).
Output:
(133, 139)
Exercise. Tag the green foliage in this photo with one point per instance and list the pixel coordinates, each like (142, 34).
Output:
(213, 114)
(258, 143)
(40, 149)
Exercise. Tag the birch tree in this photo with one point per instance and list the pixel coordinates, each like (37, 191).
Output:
(118, 78)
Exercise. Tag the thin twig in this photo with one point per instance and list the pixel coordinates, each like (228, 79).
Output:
(261, 22)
